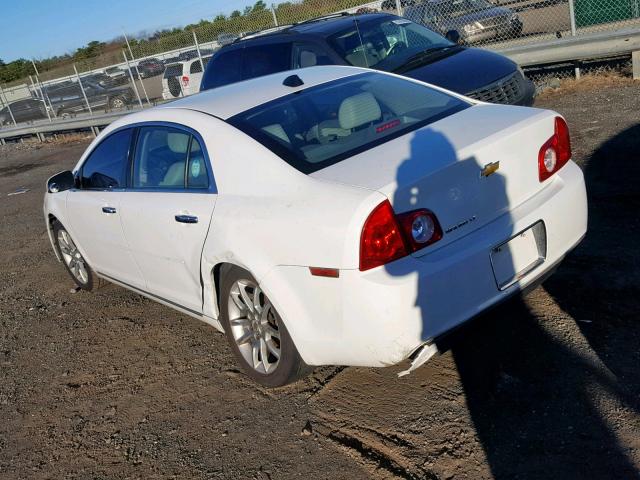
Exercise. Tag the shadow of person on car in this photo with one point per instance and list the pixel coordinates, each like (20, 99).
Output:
(528, 394)
(598, 285)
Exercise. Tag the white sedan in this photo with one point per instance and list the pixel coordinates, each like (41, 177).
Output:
(330, 215)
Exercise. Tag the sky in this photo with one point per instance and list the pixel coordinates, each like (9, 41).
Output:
(42, 28)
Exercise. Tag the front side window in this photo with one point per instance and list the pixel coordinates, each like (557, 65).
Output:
(325, 124)
(309, 55)
(168, 158)
(385, 44)
(106, 166)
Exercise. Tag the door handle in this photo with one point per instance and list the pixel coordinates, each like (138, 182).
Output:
(108, 210)
(186, 219)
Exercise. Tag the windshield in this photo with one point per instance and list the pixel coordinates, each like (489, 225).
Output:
(456, 8)
(317, 127)
(385, 44)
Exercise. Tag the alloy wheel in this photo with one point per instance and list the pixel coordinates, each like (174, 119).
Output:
(254, 326)
(72, 257)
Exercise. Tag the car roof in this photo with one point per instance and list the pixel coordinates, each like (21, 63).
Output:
(227, 101)
(323, 26)
(331, 25)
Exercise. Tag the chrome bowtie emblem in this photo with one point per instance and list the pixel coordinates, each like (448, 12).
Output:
(489, 169)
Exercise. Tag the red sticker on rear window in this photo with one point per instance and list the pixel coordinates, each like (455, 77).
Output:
(386, 126)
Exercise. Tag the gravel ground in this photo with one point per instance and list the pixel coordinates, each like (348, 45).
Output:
(110, 385)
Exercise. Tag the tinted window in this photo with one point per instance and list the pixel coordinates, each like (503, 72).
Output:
(106, 165)
(266, 59)
(174, 70)
(195, 67)
(160, 158)
(308, 55)
(224, 68)
(197, 176)
(322, 125)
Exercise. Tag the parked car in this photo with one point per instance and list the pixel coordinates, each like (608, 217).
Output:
(182, 78)
(392, 5)
(117, 75)
(25, 110)
(472, 20)
(191, 54)
(101, 79)
(150, 67)
(359, 215)
(380, 41)
(170, 60)
(67, 99)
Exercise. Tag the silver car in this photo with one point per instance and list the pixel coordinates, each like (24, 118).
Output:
(466, 21)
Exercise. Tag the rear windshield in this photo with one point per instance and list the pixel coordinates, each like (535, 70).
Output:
(323, 125)
(174, 70)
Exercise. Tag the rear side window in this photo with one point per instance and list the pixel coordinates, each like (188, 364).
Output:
(196, 67)
(224, 68)
(266, 59)
(168, 158)
(197, 176)
(161, 157)
(106, 166)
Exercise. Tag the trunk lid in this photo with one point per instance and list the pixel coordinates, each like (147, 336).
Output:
(439, 167)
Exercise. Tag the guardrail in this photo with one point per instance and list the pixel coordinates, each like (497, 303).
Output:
(590, 46)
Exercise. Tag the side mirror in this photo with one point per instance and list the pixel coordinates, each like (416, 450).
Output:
(61, 181)
(453, 36)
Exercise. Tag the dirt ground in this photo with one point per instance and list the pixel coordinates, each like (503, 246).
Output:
(109, 385)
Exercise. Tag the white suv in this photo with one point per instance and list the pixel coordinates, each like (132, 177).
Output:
(181, 79)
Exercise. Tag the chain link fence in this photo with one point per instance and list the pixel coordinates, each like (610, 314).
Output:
(139, 71)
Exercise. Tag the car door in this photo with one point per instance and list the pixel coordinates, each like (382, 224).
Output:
(167, 210)
(93, 210)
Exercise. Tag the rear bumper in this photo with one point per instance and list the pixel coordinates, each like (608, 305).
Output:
(379, 317)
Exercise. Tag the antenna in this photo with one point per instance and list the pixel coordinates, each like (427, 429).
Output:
(364, 54)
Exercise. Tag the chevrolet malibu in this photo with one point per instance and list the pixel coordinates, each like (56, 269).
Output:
(329, 215)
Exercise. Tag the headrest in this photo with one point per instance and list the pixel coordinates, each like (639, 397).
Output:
(358, 110)
(277, 131)
(308, 59)
(178, 142)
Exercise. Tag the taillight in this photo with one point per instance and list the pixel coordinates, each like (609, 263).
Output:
(185, 81)
(386, 236)
(556, 151)
(420, 227)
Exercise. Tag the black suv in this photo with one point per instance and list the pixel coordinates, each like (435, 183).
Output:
(66, 98)
(375, 40)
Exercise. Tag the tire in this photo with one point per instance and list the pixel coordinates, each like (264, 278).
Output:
(117, 102)
(73, 261)
(252, 328)
(174, 86)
